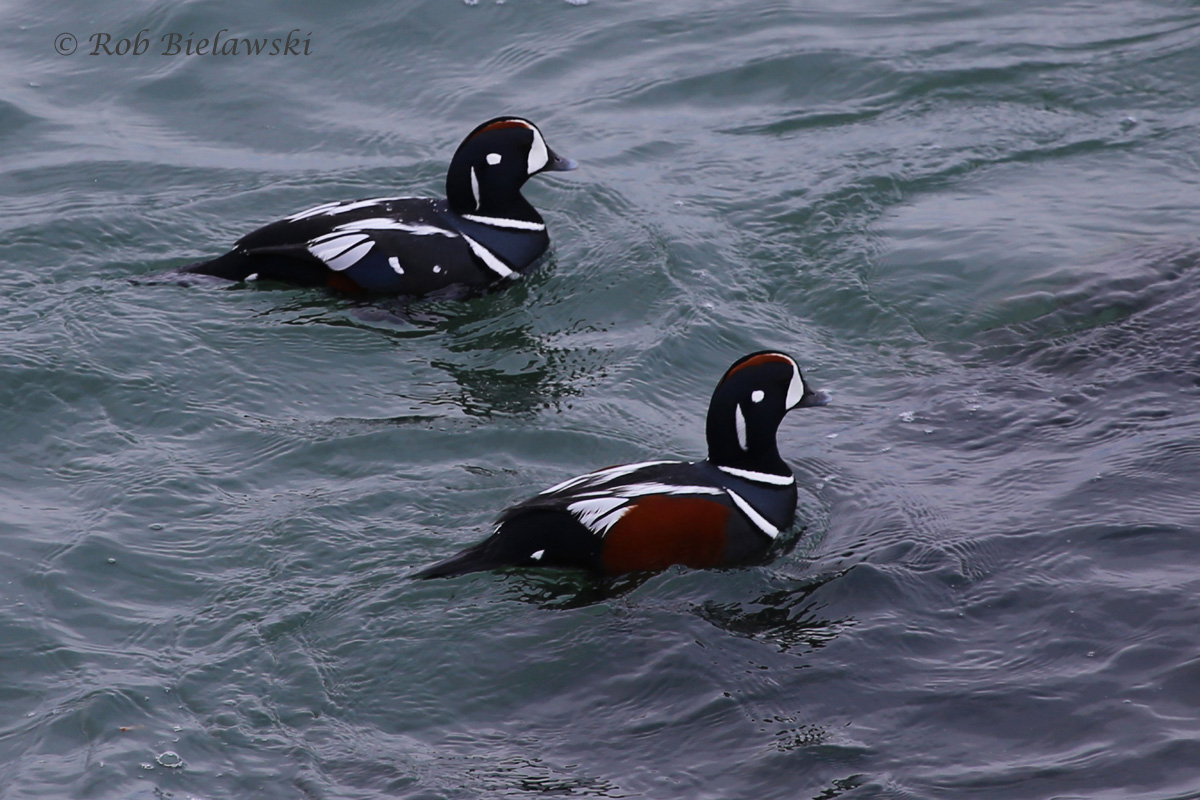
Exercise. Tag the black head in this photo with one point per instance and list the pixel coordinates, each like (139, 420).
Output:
(492, 164)
(747, 406)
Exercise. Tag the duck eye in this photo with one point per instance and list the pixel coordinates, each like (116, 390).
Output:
(757, 396)
(493, 158)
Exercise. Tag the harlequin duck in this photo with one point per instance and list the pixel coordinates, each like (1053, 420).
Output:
(483, 232)
(726, 509)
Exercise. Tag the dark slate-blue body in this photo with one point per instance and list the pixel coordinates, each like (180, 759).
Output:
(484, 231)
(726, 509)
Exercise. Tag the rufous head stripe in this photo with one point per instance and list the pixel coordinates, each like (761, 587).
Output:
(501, 124)
(758, 360)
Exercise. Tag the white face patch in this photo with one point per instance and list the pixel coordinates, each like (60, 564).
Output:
(539, 155)
(795, 388)
(493, 158)
(739, 422)
(757, 396)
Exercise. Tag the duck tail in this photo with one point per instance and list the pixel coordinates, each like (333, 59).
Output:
(232, 267)
(473, 559)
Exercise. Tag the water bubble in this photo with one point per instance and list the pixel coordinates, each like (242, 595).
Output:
(831, 436)
(146, 765)
(156, 526)
(112, 561)
(907, 416)
(169, 759)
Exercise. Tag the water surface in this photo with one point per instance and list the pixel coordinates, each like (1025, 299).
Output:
(973, 223)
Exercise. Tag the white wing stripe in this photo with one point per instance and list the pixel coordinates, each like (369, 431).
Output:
(349, 258)
(603, 475)
(389, 224)
(339, 207)
(328, 248)
(599, 514)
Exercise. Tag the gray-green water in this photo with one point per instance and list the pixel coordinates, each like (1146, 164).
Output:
(974, 223)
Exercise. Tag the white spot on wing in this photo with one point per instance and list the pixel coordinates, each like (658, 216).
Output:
(253, 276)
(394, 263)
(538, 555)
(539, 156)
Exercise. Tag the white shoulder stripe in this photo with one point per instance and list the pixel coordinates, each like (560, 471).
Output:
(489, 258)
(760, 477)
(502, 222)
(760, 522)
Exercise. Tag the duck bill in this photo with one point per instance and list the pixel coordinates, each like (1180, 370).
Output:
(812, 399)
(557, 163)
